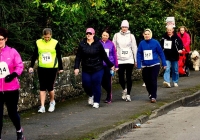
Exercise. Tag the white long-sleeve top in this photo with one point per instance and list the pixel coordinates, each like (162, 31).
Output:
(126, 47)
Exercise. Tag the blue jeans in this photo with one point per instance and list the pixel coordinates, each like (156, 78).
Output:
(91, 83)
(171, 65)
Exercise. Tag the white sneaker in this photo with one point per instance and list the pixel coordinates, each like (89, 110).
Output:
(96, 105)
(124, 93)
(175, 85)
(165, 84)
(42, 109)
(52, 106)
(91, 100)
(128, 98)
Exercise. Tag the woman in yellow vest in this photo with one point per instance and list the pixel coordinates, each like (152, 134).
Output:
(47, 51)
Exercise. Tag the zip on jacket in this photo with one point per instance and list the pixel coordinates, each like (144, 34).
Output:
(10, 61)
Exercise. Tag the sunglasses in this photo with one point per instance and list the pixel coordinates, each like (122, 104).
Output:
(88, 33)
(1, 39)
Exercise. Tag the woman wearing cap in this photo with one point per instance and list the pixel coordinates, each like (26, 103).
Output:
(111, 53)
(11, 66)
(47, 51)
(148, 54)
(91, 55)
(126, 53)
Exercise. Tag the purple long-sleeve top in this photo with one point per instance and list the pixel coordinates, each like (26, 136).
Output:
(111, 52)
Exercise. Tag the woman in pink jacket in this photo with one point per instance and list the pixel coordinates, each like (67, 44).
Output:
(11, 66)
(185, 37)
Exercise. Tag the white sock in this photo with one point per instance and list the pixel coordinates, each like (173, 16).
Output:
(19, 130)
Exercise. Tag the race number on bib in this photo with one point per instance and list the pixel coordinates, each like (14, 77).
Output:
(46, 58)
(4, 71)
(148, 55)
(124, 52)
(167, 44)
(107, 52)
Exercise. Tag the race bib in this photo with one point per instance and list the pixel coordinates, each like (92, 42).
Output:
(107, 52)
(46, 58)
(4, 71)
(148, 55)
(167, 44)
(124, 52)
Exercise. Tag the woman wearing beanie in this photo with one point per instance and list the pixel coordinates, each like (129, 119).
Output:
(126, 53)
(148, 54)
(91, 55)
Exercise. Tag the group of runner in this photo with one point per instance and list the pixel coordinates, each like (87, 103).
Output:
(99, 58)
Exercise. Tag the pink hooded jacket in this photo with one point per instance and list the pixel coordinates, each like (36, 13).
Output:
(186, 40)
(11, 58)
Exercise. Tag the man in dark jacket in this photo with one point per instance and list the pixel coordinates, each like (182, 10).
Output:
(172, 46)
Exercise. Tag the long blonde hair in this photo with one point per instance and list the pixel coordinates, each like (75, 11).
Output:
(186, 30)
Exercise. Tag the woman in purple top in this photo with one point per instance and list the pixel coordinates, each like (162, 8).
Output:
(111, 53)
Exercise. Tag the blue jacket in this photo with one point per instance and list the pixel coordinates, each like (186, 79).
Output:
(148, 54)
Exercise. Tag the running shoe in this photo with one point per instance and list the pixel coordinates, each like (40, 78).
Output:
(128, 98)
(124, 93)
(166, 84)
(91, 100)
(52, 106)
(42, 109)
(153, 100)
(20, 135)
(96, 105)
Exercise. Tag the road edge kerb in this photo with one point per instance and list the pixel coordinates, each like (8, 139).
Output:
(112, 134)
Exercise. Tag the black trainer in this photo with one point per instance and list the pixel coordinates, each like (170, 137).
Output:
(20, 135)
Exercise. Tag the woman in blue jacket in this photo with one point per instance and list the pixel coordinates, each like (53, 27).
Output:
(148, 54)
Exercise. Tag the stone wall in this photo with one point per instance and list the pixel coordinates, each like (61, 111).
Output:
(66, 84)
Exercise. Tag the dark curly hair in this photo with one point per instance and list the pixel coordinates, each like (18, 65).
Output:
(3, 32)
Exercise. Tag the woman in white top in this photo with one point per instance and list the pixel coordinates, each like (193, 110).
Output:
(126, 52)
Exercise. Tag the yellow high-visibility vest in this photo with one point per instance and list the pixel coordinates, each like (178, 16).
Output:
(47, 53)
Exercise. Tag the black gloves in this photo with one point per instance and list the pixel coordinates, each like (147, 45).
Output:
(10, 77)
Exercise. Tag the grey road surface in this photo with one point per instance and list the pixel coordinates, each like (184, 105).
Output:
(182, 123)
(73, 119)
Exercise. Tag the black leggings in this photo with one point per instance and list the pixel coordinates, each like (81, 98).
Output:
(150, 75)
(106, 81)
(125, 68)
(10, 98)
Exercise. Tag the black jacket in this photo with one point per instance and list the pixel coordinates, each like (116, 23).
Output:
(172, 54)
(91, 56)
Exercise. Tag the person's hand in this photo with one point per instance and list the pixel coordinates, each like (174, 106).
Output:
(164, 67)
(116, 69)
(10, 77)
(76, 71)
(30, 70)
(112, 68)
(60, 71)
(135, 64)
(180, 51)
